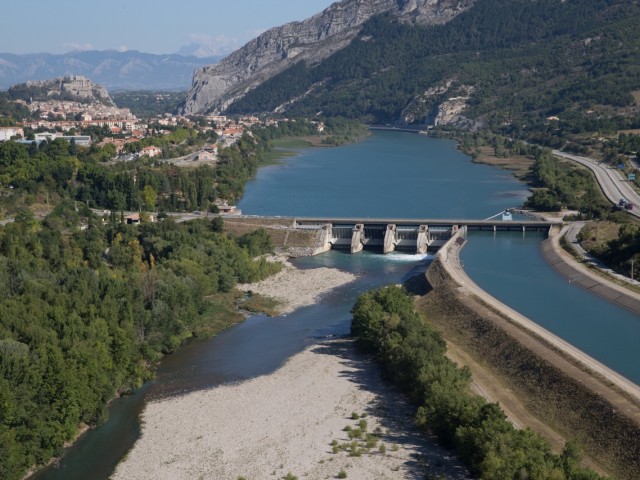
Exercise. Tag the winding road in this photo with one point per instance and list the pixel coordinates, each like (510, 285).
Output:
(612, 184)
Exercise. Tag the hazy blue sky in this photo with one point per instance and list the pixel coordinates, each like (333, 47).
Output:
(154, 26)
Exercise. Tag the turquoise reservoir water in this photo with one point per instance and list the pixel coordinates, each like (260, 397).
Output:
(390, 174)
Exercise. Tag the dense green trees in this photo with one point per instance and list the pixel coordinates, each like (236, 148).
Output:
(83, 314)
(66, 171)
(621, 253)
(145, 104)
(562, 185)
(413, 356)
(11, 111)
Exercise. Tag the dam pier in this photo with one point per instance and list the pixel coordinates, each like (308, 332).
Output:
(407, 235)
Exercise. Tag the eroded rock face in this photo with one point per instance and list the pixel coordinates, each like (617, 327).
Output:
(77, 85)
(215, 87)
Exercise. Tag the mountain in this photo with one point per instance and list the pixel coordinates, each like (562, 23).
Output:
(216, 87)
(496, 62)
(129, 70)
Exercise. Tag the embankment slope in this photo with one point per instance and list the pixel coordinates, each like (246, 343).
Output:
(552, 385)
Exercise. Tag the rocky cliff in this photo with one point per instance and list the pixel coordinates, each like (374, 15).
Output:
(73, 87)
(216, 87)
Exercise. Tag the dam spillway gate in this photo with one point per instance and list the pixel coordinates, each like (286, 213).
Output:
(389, 235)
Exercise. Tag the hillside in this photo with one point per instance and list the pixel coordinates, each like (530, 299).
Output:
(502, 63)
(311, 41)
(72, 88)
(130, 70)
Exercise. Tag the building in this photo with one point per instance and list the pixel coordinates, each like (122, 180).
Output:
(228, 210)
(80, 140)
(7, 132)
(151, 151)
(206, 156)
(137, 218)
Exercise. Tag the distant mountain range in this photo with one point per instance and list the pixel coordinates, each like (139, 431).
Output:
(130, 70)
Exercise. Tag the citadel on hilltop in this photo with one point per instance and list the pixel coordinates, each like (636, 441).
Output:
(74, 86)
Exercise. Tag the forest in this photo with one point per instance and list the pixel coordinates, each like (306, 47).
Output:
(84, 314)
(145, 104)
(88, 304)
(413, 356)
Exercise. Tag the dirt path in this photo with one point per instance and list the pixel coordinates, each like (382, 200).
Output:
(491, 387)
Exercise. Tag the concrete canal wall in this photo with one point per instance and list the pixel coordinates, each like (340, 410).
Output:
(577, 400)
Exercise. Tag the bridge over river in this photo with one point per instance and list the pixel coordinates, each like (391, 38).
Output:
(410, 235)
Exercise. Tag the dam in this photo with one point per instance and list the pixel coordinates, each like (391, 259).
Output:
(407, 235)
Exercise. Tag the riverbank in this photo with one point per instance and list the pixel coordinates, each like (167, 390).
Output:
(548, 376)
(286, 422)
(293, 288)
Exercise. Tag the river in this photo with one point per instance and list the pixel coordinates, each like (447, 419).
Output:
(390, 174)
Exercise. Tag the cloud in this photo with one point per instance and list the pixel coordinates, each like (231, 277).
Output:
(203, 45)
(78, 47)
(122, 48)
(251, 34)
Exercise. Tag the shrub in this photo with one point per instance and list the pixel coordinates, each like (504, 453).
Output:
(363, 425)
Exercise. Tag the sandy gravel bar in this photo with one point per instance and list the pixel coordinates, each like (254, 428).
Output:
(285, 422)
(296, 288)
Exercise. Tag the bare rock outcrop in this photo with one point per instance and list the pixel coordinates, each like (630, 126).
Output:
(215, 87)
(75, 86)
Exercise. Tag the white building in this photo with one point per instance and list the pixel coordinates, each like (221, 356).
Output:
(7, 132)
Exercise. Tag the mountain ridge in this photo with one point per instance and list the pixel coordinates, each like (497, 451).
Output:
(128, 70)
(501, 63)
(311, 40)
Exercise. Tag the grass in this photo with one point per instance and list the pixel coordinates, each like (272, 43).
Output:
(517, 164)
(566, 244)
(220, 313)
(274, 156)
(291, 142)
(256, 303)
(359, 441)
(284, 148)
(597, 234)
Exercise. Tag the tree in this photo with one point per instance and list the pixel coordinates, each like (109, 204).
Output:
(149, 195)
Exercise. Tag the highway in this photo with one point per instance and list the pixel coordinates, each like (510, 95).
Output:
(613, 185)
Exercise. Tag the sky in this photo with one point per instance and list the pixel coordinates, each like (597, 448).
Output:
(152, 26)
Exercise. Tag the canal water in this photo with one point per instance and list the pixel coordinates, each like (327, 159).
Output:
(388, 175)
(510, 266)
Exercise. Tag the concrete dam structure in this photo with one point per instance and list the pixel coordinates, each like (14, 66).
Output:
(411, 236)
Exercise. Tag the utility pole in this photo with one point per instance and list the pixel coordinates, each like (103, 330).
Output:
(632, 269)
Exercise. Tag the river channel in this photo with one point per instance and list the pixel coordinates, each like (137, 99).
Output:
(390, 174)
